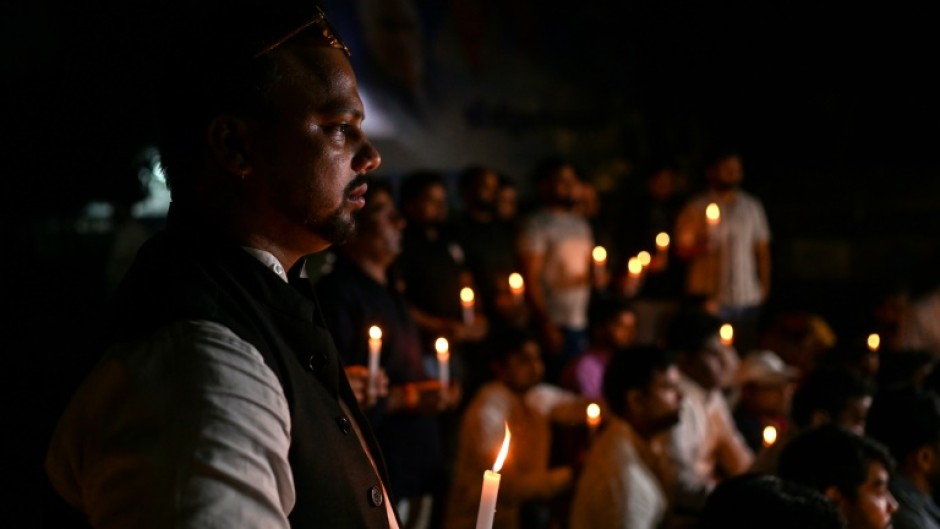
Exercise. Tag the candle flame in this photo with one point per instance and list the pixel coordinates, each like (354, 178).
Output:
(375, 333)
(874, 341)
(662, 240)
(501, 458)
(600, 254)
(770, 435)
(634, 266)
(593, 411)
(466, 295)
(727, 334)
(441, 346)
(515, 281)
(644, 258)
(713, 213)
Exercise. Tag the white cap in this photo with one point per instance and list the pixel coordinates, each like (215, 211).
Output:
(763, 366)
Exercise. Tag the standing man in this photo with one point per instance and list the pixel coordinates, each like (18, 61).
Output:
(221, 401)
(727, 249)
(554, 246)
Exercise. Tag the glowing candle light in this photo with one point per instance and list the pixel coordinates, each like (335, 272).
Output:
(712, 214)
(726, 332)
(516, 286)
(600, 259)
(874, 342)
(645, 258)
(443, 362)
(770, 435)
(593, 415)
(491, 487)
(634, 267)
(466, 302)
(375, 347)
(662, 241)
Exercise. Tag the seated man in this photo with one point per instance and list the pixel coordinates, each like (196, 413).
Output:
(519, 398)
(851, 470)
(765, 384)
(827, 395)
(907, 421)
(705, 446)
(622, 485)
(611, 326)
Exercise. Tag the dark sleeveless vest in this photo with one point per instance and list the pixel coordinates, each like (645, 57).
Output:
(185, 274)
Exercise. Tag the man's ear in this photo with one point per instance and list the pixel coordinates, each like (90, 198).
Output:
(228, 139)
(836, 497)
(926, 458)
(819, 418)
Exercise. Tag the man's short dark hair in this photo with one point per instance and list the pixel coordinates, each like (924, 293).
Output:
(749, 501)
(904, 419)
(633, 368)
(831, 455)
(506, 340)
(830, 390)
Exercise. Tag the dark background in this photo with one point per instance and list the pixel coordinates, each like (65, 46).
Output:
(835, 108)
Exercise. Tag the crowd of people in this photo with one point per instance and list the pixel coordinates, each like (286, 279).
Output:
(311, 343)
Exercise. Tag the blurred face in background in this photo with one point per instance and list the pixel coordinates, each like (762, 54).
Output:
(380, 227)
(507, 202)
(523, 369)
(621, 329)
(855, 414)
(657, 408)
(726, 173)
(429, 208)
(563, 188)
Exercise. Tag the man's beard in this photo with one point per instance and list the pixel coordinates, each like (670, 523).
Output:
(339, 227)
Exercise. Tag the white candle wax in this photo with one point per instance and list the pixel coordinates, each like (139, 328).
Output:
(488, 500)
(443, 362)
(491, 487)
(466, 302)
(375, 348)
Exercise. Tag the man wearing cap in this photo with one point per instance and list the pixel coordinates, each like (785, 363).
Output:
(765, 385)
(221, 401)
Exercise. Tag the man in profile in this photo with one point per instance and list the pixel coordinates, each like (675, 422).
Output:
(221, 400)
(850, 469)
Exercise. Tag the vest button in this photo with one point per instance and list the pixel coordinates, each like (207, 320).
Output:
(344, 425)
(375, 496)
(312, 363)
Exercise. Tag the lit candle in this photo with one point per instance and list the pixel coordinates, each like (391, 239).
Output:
(491, 487)
(726, 332)
(600, 259)
(593, 413)
(466, 301)
(770, 435)
(516, 286)
(645, 258)
(634, 270)
(874, 342)
(712, 214)
(375, 347)
(443, 362)
(662, 242)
